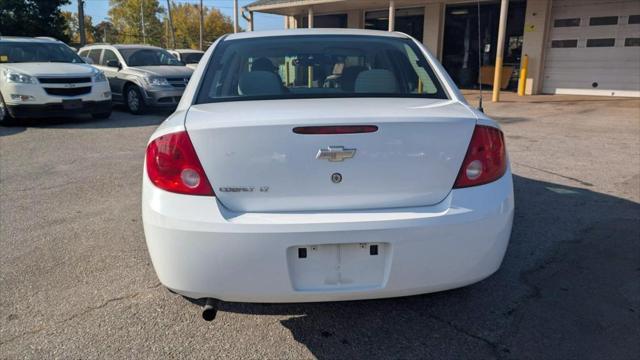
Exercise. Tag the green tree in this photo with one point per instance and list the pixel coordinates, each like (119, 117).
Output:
(186, 22)
(33, 18)
(73, 28)
(127, 21)
(104, 32)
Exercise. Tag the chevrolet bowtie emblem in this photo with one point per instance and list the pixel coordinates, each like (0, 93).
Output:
(335, 153)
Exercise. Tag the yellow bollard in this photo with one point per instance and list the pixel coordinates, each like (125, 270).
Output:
(310, 76)
(522, 82)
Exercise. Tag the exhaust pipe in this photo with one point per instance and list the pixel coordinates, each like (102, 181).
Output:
(210, 309)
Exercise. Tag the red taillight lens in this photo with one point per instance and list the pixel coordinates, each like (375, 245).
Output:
(172, 165)
(486, 159)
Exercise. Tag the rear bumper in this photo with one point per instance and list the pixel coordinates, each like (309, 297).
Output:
(200, 249)
(56, 109)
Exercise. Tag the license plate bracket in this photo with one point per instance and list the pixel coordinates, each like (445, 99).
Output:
(72, 104)
(338, 266)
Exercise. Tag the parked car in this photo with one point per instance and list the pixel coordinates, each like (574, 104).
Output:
(267, 185)
(42, 77)
(140, 76)
(188, 56)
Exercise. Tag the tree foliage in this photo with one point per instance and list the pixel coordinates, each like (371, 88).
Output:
(126, 18)
(33, 18)
(73, 28)
(186, 22)
(105, 32)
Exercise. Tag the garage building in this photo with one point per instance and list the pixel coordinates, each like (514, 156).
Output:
(585, 47)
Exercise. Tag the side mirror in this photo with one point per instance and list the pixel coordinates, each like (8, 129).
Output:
(114, 64)
(88, 60)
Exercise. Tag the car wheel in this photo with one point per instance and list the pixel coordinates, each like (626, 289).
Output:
(100, 116)
(134, 100)
(5, 117)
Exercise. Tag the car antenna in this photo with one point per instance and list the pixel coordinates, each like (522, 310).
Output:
(479, 59)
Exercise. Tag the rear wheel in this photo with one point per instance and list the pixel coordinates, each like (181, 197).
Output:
(100, 116)
(134, 100)
(5, 117)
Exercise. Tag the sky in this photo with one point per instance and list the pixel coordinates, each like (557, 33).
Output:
(98, 10)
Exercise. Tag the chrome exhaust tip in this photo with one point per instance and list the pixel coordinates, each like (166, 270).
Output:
(210, 309)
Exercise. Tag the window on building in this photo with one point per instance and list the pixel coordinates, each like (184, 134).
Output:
(634, 19)
(566, 22)
(409, 21)
(570, 43)
(632, 42)
(609, 42)
(326, 21)
(603, 20)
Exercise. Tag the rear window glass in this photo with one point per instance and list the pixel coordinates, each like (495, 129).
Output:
(191, 58)
(287, 67)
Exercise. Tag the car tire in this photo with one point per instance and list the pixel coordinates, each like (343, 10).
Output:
(5, 117)
(101, 116)
(134, 100)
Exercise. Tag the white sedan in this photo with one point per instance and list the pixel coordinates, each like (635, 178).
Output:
(324, 165)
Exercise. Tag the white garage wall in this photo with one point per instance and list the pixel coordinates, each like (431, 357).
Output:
(616, 70)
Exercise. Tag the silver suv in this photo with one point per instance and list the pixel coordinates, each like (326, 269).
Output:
(140, 76)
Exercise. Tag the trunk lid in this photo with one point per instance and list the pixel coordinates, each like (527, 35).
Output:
(256, 163)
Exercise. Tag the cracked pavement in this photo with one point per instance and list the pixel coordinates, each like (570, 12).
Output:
(76, 280)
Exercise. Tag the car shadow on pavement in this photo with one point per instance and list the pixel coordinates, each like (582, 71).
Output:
(568, 288)
(11, 130)
(120, 118)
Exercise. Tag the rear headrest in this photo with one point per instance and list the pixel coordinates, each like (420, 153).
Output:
(259, 83)
(349, 75)
(376, 81)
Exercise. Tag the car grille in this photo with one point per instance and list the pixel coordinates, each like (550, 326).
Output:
(178, 82)
(68, 91)
(66, 80)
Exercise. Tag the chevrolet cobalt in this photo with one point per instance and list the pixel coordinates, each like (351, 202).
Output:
(324, 165)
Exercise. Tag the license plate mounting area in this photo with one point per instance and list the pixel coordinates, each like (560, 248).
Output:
(357, 266)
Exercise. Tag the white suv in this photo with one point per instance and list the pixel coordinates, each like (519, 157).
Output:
(45, 78)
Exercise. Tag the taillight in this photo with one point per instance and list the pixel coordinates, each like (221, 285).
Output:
(172, 165)
(486, 158)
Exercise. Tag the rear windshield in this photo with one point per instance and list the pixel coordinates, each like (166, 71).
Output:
(18, 52)
(288, 67)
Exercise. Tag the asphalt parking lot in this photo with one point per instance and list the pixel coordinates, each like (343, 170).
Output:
(76, 280)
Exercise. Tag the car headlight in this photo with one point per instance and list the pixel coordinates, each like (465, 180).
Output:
(19, 78)
(98, 76)
(157, 81)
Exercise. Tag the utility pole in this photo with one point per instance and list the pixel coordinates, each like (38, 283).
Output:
(235, 16)
(144, 36)
(201, 25)
(83, 38)
(173, 33)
